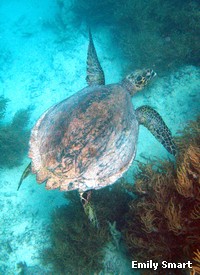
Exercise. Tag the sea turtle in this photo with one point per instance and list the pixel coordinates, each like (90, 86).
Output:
(89, 140)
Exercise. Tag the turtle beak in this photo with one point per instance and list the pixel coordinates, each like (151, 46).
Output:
(150, 74)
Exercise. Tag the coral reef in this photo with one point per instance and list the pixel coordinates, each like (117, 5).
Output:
(153, 33)
(163, 221)
(13, 137)
(77, 246)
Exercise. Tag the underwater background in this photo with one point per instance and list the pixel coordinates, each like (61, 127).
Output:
(43, 49)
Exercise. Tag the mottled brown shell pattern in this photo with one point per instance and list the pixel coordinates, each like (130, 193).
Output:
(86, 141)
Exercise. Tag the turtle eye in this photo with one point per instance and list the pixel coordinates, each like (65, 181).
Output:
(148, 74)
(145, 74)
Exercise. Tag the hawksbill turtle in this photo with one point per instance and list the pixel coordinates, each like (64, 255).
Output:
(89, 140)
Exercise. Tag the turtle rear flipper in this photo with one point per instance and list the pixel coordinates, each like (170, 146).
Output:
(95, 74)
(88, 207)
(151, 119)
(25, 174)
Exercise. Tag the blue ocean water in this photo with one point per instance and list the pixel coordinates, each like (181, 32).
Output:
(43, 61)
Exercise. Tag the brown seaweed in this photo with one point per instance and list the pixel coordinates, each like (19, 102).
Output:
(77, 247)
(163, 222)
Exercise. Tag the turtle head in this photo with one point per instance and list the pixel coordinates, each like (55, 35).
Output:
(137, 80)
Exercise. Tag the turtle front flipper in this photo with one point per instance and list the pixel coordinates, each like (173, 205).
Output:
(151, 119)
(88, 207)
(95, 74)
(25, 174)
